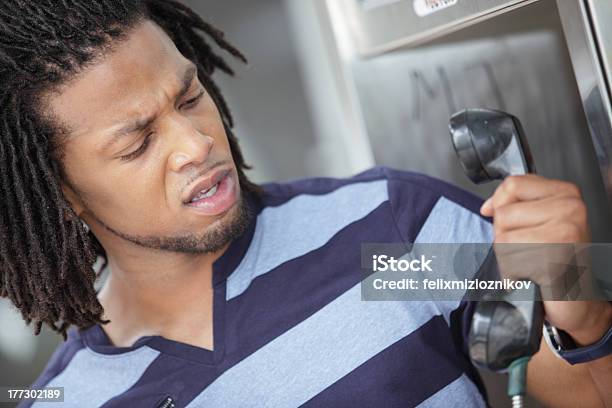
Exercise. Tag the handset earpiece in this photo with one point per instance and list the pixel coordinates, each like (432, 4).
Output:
(490, 144)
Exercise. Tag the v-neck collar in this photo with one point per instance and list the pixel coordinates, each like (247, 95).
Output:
(96, 339)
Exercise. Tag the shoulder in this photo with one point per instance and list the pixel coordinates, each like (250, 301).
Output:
(407, 183)
(412, 198)
(422, 208)
(58, 361)
(62, 356)
(437, 210)
(398, 182)
(277, 193)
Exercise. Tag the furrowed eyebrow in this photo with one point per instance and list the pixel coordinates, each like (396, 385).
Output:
(142, 123)
(188, 77)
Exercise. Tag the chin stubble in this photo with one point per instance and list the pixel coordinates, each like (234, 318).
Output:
(208, 241)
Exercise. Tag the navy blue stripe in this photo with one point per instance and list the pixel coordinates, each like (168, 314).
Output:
(230, 259)
(412, 195)
(170, 376)
(403, 375)
(434, 186)
(279, 193)
(459, 393)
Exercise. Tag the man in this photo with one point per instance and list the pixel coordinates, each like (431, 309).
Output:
(116, 142)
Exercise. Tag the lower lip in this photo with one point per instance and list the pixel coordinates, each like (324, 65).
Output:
(221, 201)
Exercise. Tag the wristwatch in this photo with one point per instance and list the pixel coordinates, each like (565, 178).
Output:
(563, 346)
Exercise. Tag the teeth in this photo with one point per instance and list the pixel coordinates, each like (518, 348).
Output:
(205, 194)
(211, 191)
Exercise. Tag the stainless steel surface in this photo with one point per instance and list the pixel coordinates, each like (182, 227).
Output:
(378, 26)
(588, 33)
(517, 62)
(600, 13)
(339, 129)
(396, 23)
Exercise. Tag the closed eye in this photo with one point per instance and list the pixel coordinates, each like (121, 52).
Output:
(193, 101)
(139, 151)
(188, 104)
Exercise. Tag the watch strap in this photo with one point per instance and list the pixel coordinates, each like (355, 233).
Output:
(558, 341)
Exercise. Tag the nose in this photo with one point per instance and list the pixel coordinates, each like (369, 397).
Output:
(189, 146)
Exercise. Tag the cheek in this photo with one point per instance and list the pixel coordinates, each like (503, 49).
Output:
(126, 197)
(135, 205)
(117, 193)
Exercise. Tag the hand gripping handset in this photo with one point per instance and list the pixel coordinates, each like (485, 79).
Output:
(505, 332)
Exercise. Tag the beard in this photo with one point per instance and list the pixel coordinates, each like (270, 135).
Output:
(211, 240)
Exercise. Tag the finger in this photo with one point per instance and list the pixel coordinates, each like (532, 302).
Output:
(552, 232)
(539, 253)
(531, 187)
(525, 214)
(487, 207)
(553, 266)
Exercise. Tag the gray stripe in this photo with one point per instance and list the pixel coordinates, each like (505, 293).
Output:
(91, 379)
(451, 223)
(301, 225)
(460, 393)
(311, 356)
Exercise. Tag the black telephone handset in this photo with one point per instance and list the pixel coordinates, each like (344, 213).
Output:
(505, 332)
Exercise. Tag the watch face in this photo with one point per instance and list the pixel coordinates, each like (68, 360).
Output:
(551, 336)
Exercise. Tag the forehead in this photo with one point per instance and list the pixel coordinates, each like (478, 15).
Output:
(119, 85)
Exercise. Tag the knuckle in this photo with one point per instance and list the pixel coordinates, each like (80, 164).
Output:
(573, 190)
(511, 184)
(580, 210)
(576, 210)
(569, 232)
(501, 215)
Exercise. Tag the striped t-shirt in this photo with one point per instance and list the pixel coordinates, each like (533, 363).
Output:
(290, 328)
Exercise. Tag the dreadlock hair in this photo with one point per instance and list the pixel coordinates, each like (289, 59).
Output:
(46, 255)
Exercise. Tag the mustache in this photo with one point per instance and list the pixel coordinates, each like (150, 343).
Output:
(201, 172)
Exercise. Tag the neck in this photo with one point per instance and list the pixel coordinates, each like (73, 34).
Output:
(154, 292)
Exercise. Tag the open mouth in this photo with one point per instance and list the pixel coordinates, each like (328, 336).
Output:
(217, 198)
(205, 194)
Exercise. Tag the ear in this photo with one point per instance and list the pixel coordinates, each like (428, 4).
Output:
(73, 199)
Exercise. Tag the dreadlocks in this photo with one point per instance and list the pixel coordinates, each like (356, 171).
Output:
(46, 255)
